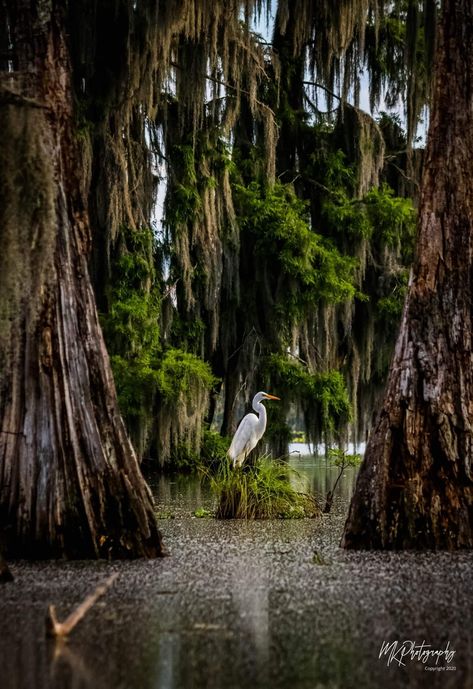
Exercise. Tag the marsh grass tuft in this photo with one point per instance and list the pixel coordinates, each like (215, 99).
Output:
(269, 489)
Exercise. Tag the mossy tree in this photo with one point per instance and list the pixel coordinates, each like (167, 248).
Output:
(162, 390)
(215, 125)
(70, 479)
(415, 487)
(91, 110)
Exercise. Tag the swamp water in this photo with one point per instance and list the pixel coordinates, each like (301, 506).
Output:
(243, 605)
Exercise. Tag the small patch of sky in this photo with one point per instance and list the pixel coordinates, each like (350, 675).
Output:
(317, 97)
(155, 142)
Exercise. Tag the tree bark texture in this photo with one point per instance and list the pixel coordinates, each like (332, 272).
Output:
(70, 483)
(415, 487)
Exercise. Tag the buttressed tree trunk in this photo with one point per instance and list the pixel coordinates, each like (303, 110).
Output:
(70, 484)
(415, 487)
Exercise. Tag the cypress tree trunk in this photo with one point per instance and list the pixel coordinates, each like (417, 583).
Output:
(415, 487)
(70, 484)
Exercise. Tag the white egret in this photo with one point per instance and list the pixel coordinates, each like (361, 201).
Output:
(250, 431)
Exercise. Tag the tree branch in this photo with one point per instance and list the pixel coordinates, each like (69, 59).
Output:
(230, 86)
(327, 90)
(316, 109)
(62, 629)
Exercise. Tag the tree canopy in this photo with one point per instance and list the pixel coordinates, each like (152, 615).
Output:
(246, 214)
(287, 228)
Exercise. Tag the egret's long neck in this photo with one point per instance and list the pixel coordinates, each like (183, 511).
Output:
(261, 410)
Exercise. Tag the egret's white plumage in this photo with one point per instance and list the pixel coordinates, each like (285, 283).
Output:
(250, 431)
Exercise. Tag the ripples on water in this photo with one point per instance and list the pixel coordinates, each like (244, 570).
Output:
(241, 605)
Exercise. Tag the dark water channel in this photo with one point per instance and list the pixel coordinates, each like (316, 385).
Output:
(242, 605)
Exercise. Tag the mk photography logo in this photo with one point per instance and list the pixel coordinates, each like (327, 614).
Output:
(404, 652)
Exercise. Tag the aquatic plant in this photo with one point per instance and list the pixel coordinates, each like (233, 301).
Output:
(267, 489)
(342, 460)
(203, 513)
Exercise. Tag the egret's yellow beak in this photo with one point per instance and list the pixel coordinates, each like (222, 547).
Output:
(272, 397)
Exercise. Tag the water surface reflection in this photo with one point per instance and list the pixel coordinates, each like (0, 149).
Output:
(241, 604)
(184, 493)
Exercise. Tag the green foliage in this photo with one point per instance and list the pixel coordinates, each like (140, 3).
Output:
(393, 132)
(212, 451)
(389, 307)
(196, 166)
(174, 375)
(141, 368)
(183, 459)
(337, 174)
(188, 334)
(267, 490)
(278, 432)
(279, 222)
(392, 218)
(380, 216)
(214, 447)
(185, 201)
(134, 296)
(131, 326)
(346, 216)
(329, 396)
(288, 374)
(135, 381)
(180, 373)
(341, 215)
(203, 513)
(323, 396)
(298, 437)
(342, 459)
(165, 515)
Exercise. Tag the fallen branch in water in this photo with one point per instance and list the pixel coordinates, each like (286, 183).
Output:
(62, 629)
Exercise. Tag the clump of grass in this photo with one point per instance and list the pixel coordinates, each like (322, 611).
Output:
(203, 512)
(266, 490)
